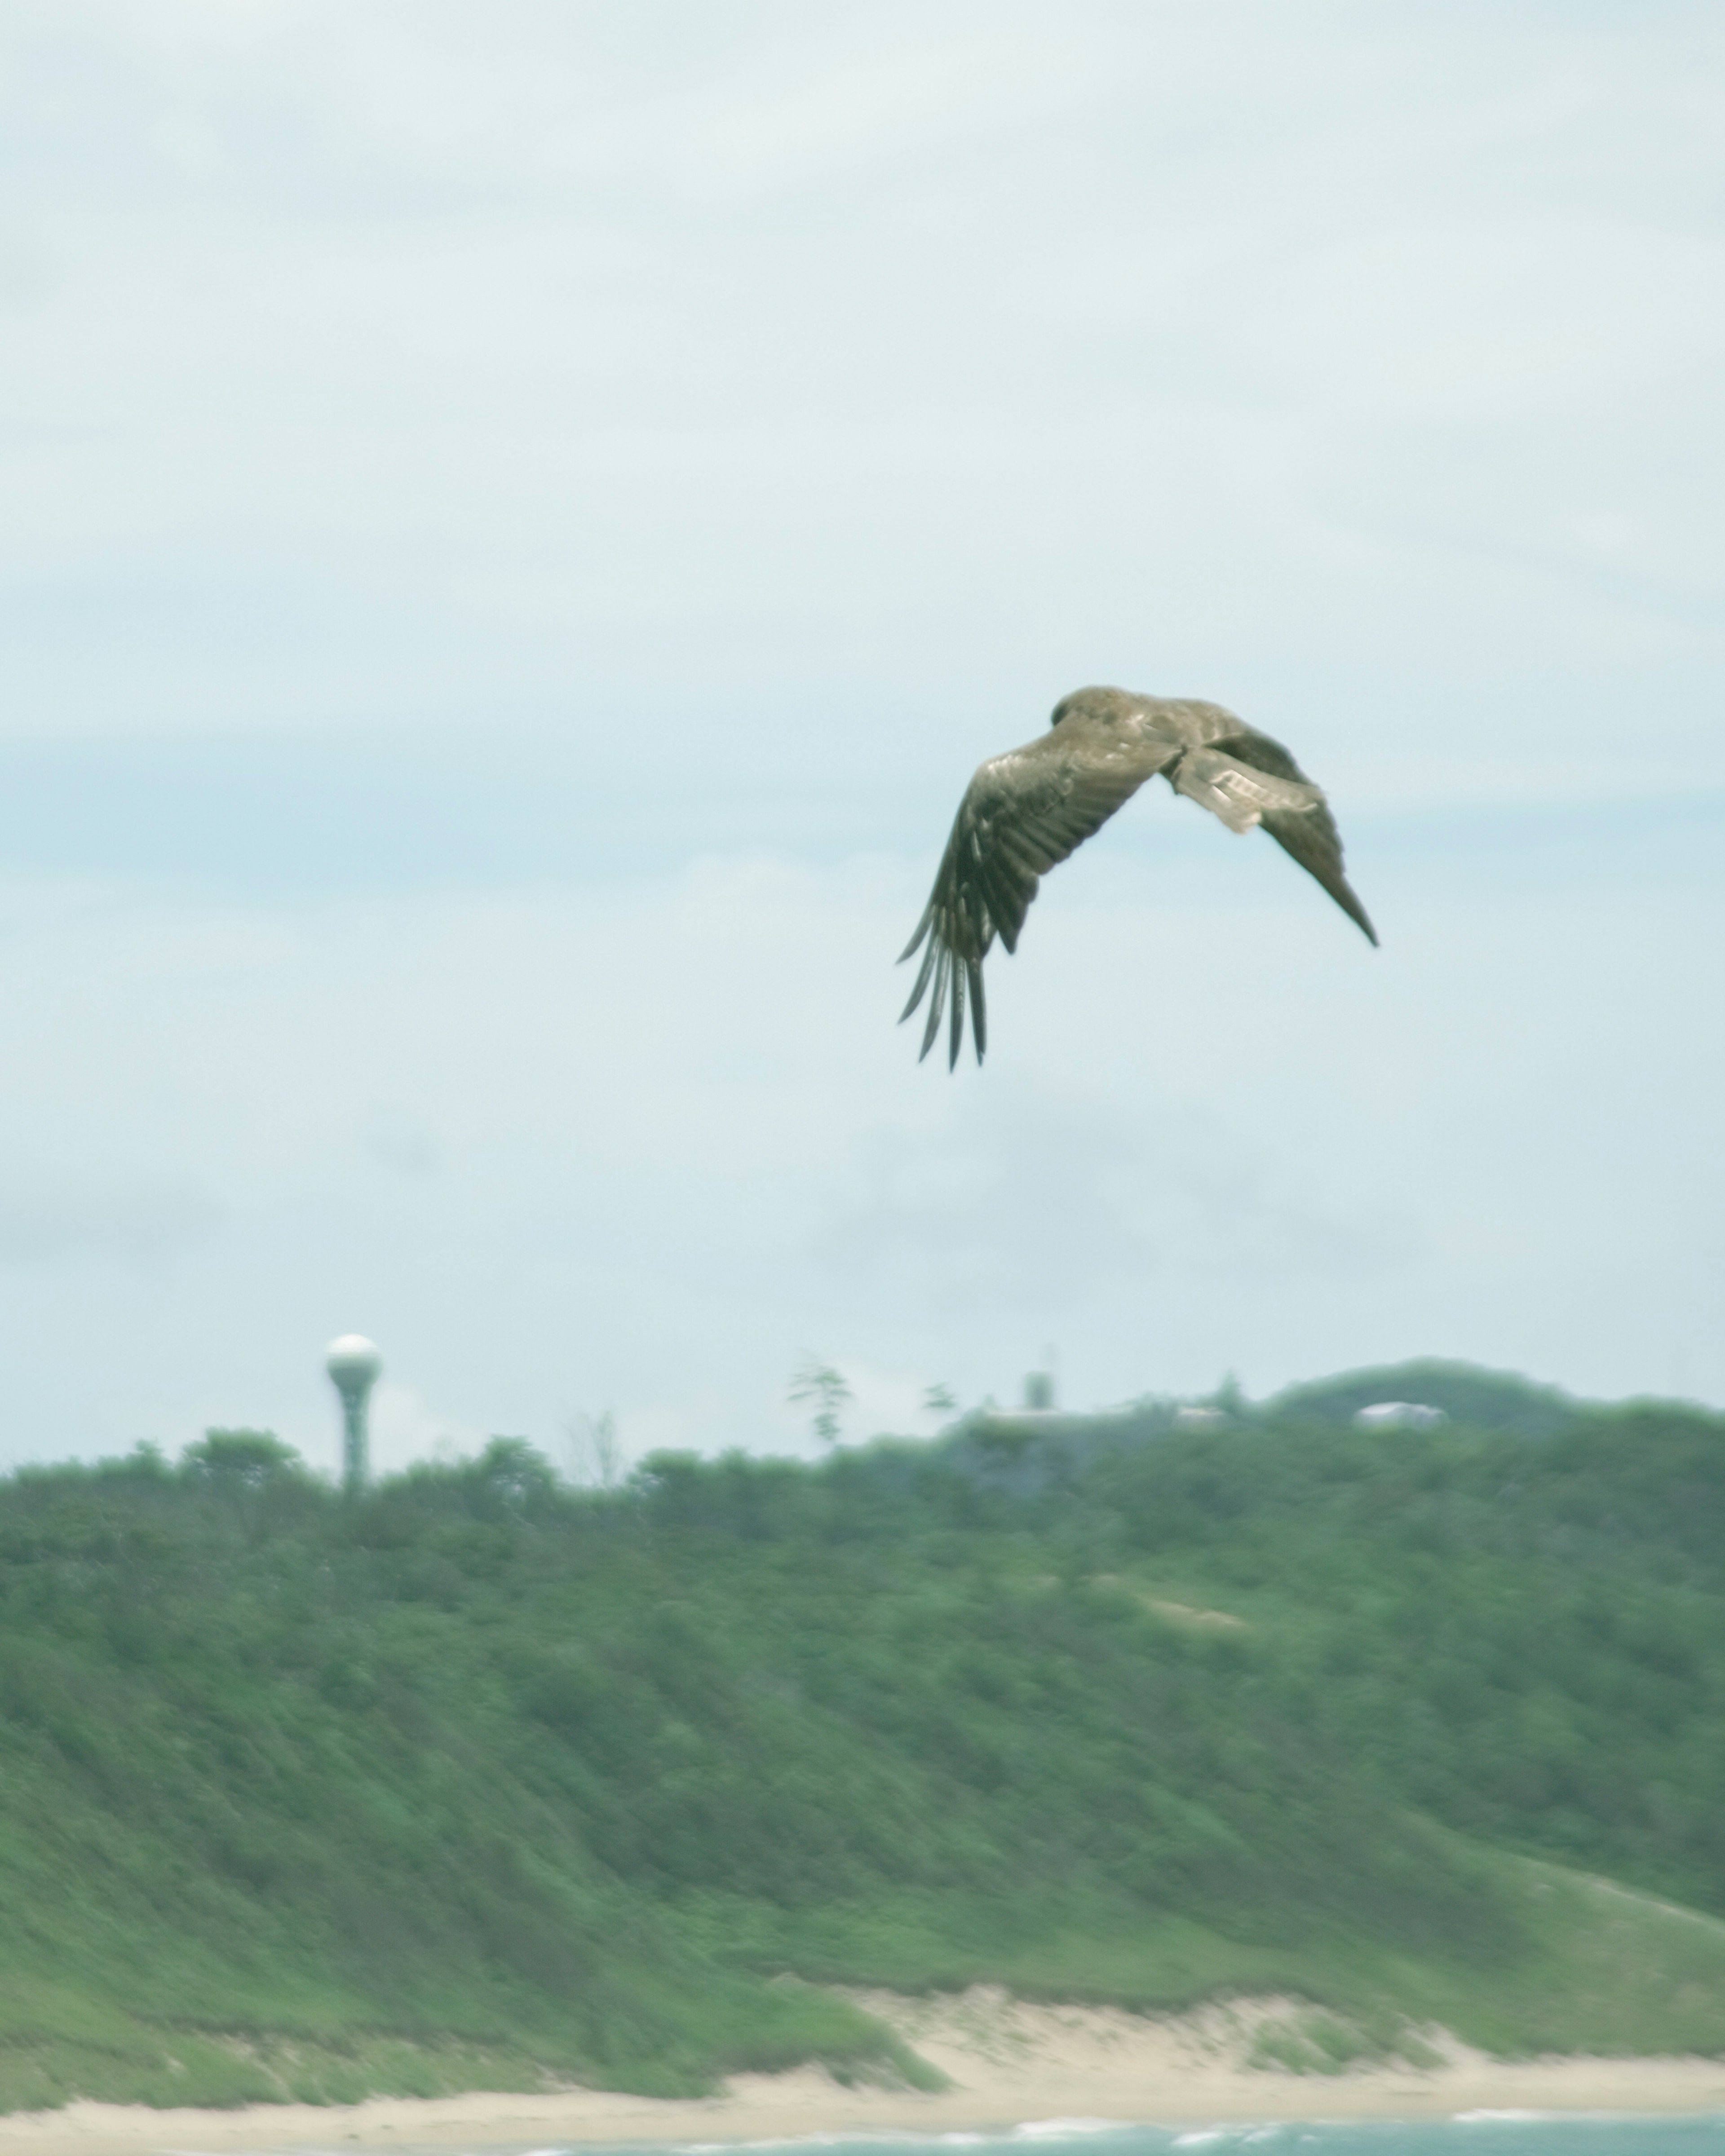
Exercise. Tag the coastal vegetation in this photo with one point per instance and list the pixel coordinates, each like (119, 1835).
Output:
(480, 1779)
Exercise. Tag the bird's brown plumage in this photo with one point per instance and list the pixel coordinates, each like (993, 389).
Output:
(1025, 811)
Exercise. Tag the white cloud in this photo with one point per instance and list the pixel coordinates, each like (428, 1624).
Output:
(673, 1140)
(524, 368)
(48, 1221)
(404, 1427)
(631, 463)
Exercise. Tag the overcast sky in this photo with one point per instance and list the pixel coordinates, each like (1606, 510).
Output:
(516, 523)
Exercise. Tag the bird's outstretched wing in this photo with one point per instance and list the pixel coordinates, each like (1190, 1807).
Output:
(1247, 778)
(1022, 814)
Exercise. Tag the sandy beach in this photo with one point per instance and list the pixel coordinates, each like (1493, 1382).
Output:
(1007, 2063)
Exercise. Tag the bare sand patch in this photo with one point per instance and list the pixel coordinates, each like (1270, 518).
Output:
(1176, 1613)
(1007, 2061)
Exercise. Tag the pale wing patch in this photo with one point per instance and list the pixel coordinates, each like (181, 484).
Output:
(1233, 791)
(1026, 810)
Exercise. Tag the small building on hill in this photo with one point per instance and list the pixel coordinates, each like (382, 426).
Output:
(1398, 1414)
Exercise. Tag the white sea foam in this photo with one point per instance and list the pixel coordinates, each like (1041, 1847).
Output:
(785, 2140)
(847, 2137)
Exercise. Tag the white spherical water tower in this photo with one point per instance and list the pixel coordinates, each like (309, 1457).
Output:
(353, 1364)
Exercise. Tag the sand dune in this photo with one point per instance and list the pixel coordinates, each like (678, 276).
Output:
(1007, 2063)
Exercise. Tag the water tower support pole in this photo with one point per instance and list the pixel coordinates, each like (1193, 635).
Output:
(353, 1364)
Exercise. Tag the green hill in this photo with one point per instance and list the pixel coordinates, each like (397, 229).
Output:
(1484, 1399)
(480, 1779)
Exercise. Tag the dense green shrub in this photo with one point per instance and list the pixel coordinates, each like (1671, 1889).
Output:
(479, 1760)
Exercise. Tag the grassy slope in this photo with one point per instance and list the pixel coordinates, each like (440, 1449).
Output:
(481, 1780)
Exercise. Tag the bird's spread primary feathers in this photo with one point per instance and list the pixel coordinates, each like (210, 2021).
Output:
(1025, 811)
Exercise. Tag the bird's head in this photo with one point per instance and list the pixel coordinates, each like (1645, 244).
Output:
(1095, 703)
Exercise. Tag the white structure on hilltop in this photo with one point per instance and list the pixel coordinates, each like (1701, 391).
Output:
(353, 1364)
(1399, 1414)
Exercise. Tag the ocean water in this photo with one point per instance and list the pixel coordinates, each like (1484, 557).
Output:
(1476, 2133)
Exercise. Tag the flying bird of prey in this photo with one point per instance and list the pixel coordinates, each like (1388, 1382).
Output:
(1025, 811)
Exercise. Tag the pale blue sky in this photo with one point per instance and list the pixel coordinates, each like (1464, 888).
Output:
(516, 523)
